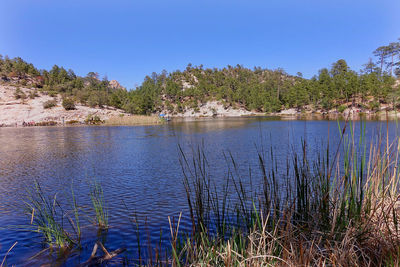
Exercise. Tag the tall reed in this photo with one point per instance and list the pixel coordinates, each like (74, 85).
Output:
(99, 205)
(337, 208)
(47, 217)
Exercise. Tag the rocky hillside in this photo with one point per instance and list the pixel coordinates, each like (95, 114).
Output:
(28, 106)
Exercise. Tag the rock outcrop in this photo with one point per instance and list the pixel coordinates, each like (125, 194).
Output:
(115, 85)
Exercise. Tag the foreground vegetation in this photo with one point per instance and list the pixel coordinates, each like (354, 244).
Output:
(338, 208)
(257, 89)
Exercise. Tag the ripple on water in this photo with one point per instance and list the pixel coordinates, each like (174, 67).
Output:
(138, 168)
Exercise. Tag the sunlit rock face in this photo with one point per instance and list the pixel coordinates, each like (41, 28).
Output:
(115, 85)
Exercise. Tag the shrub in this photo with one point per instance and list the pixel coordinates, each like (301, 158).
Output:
(179, 107)
(23, 82)
(49, 104)
(52, 93)
(68, 104)
(169, 106)
(326, 104)
(93, 119)
(341, 108)
(130, 107)
(93, 100)
(374, 105)
(33, 94)
(81, 96)
(193, 104)
(19, 94)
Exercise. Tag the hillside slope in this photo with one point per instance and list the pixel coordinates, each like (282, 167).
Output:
(229, 91)
(29, 108)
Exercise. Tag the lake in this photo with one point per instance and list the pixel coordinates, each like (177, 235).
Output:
(139, 170)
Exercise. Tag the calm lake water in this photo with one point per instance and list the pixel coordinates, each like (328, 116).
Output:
(139, 170)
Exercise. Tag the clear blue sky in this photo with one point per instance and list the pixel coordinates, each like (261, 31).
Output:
(127, 40)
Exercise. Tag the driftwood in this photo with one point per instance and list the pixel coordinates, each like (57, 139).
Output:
(98, 260)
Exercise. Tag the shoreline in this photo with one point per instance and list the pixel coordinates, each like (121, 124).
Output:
(277, 116)
(32, 111)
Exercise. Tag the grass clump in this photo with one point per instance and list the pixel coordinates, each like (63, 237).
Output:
(60, 225)
(99, 205)
(133, 120)
(72, 122)
(48, 218)
(33, 94)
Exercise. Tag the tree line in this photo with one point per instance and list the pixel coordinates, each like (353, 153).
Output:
(258, 89)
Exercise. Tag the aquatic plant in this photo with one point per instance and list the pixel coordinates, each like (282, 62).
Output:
(99, 205)
(5, 256)
(157, 254)
(75, 210)
(340, 209)
(47, 217)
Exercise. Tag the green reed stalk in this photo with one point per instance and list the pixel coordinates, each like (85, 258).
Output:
(76, 225)
(331, 211)
(99, 205)
(47, 217)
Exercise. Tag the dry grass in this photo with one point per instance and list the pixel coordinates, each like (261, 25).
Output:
(133, 120)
